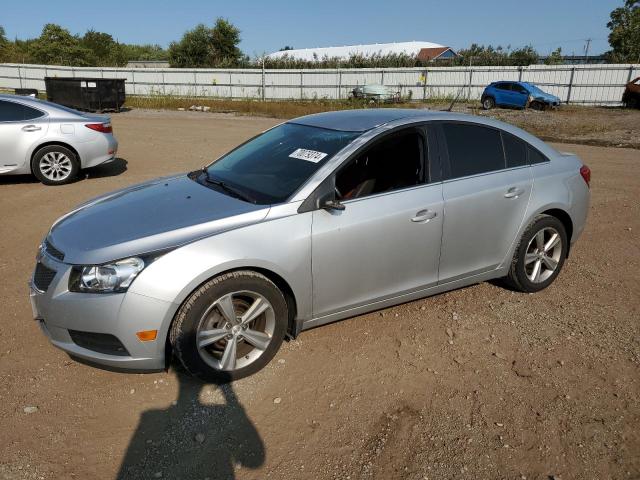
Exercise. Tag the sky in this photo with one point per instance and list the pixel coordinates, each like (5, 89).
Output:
(268, 25)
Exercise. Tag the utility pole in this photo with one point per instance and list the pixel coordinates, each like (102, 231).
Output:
(586, 50)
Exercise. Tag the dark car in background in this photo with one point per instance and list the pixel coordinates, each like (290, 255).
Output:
(517, 94)
(631, 95)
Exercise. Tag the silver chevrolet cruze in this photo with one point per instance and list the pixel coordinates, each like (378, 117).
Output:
(318, 219)
(51, 141)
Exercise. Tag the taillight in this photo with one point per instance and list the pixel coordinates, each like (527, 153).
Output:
(100, 127)
(586, 174)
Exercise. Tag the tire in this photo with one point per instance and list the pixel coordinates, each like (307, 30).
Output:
(55, 165)
(527, 257)
(488, 103)
(535, 105)
(204, 311)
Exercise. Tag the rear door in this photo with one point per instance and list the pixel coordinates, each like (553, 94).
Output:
(485, 197)
(386, 241)
(20, 127)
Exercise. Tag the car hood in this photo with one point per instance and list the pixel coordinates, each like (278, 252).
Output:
(545, 96)
(152, 216)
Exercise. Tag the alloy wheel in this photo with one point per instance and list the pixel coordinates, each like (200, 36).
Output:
(543, 255)
(235, 330)
(55, 166)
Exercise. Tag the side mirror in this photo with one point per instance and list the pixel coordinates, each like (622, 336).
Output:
(333, 205)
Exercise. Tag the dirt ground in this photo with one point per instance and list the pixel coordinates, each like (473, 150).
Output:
(479, 383)
(601, 126)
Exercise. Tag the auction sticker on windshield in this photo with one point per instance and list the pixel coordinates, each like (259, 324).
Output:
(309, 155)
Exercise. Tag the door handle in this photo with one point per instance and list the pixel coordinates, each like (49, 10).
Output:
(31, 128)
(424, 216)
(514, 192)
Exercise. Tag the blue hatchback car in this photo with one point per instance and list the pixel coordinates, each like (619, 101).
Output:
(517, 94)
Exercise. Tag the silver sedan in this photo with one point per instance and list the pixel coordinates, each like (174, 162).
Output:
(321, 218)
(51, 141)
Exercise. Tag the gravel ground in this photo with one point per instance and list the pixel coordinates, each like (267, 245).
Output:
(477, 383)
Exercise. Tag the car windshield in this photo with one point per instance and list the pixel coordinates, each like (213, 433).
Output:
(272, 166)
(534, 89)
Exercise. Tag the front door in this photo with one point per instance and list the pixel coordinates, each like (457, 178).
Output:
(386, 241)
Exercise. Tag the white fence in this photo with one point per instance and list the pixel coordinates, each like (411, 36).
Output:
(588, 84)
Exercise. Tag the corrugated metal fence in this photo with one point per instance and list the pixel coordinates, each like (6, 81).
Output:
(588, 84)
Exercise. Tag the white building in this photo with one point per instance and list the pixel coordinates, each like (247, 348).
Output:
(425, 51)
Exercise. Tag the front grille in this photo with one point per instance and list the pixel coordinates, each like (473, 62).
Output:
(53, 251)
(43, 277)
(99, 342)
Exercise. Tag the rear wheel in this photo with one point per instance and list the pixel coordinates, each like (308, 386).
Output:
(488, 103)
(539, 256)
(231, 327)
(55, 165)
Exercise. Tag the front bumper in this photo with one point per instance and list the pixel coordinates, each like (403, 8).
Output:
(120, 314)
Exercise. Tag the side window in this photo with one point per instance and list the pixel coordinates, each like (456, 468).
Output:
(392, 163)
(502, 86)
(515, 150)
(518, 88)
(473, 149)
(15, 112)
(31, 113)
(535, 156)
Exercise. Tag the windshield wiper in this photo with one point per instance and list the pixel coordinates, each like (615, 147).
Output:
(227, 188)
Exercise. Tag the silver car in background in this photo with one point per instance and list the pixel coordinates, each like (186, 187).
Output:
(320, 218)
(51, 141)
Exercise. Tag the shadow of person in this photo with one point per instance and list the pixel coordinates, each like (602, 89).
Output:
(193, 440)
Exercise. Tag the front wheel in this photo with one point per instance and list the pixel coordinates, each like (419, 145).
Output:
(540, 255)
(230, 327)
(536, 105)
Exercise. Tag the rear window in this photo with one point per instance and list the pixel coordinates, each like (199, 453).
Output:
(515, 150)
(16, 112)
(473, 149)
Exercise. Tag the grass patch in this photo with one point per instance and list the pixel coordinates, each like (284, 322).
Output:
(275, 108)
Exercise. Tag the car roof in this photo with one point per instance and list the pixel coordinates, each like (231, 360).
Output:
(27, 100)
(358, 120)
(49, 107)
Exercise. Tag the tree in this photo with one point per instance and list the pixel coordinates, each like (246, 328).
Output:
(4, 46)
(555, 57)
(195, 49)
(207, 47)
(104, 48)
(524, 56)
(625, 32)
(226, 37)
(56, 45)
(285, 48)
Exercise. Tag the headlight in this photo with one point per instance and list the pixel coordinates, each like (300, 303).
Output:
(112, 277)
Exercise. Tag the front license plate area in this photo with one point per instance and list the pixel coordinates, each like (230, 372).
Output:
(34, 308)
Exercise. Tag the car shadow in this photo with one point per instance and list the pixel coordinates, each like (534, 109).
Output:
(17, 179)
(112, 169)
(193, 440)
